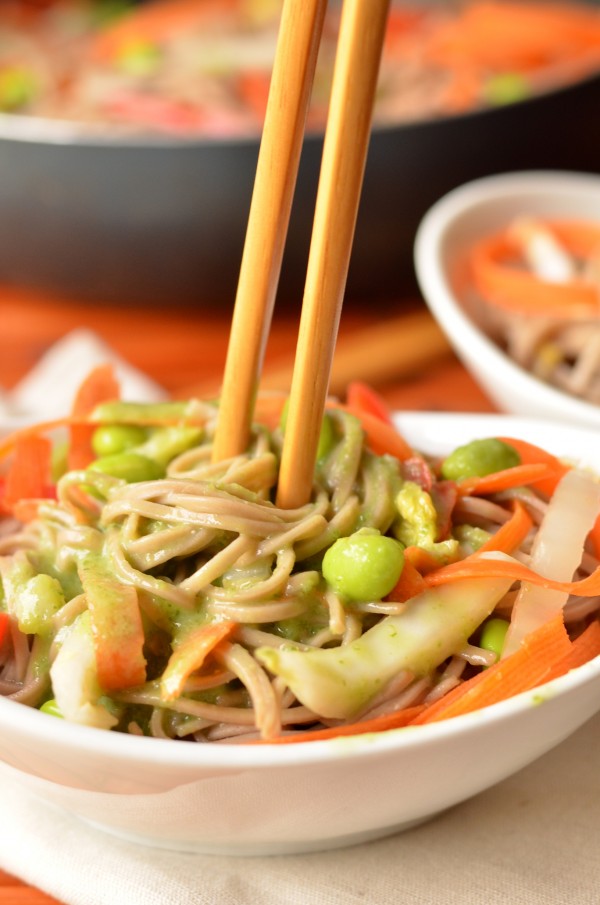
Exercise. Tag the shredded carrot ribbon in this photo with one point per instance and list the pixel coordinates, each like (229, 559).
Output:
(382, 438)
(157, 22)
(530, 454)
(28, 479)
(490, 566)
(362, 397)
(511, 534)
(501, 283)
(191, 654)
(584, 648)
(530, 666)
(101, 385)
(409, 585)
(508, 478)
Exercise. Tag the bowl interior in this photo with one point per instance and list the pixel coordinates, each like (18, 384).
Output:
(444, 238)
(157, 791)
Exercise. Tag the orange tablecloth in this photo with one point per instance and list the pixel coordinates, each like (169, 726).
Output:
(183, 348)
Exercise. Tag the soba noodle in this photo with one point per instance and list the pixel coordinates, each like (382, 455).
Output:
(204, 545)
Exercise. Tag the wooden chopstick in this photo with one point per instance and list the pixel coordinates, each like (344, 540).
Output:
(360, 44)
(289, 94)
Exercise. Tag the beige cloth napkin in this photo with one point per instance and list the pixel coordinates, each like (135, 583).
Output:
(48, 389)
(531, 840)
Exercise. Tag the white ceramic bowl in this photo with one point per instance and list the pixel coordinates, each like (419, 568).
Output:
(444, 236)
(248, 800)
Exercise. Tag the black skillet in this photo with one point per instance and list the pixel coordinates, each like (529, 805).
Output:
(153, 221)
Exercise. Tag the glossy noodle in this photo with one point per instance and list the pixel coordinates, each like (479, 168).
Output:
(187, 605)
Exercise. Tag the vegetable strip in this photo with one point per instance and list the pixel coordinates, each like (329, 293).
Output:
(527, 668)
(499, 565)
(100, 385)
(519, 476)
(512, 533)
(28, 478)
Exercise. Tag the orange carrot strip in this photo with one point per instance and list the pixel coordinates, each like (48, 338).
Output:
(516, 37)
(99, 386)
(410, 583)
(490, 567)
(531, 454)
(527, 668)
(29, 474)
(584, 648)
(8, 443)
(190, 654)
(512, 533)
(521, 291)
(4, 626)
(158, 21)
(376, 724)
(383, 438)
(361, 397)
(253, 87)
(517, 476)
(116, 625)
(421, 560)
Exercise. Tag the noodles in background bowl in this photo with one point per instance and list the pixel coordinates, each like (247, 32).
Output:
(203, 69)
(152, 591)
(534, 286)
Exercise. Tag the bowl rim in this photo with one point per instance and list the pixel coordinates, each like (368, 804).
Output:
(434, 280)
(171, 754)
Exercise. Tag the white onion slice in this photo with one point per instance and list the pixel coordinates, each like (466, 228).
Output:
(557, 552)
(542, 251)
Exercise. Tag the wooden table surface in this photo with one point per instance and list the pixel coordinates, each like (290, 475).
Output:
(184, 348)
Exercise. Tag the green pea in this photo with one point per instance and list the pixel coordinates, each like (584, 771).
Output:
(506, 88)
(364, 566)
(479, 458)
(52, 708)
(18, 86)
(493, 635)
(109, 439)
(129, 466)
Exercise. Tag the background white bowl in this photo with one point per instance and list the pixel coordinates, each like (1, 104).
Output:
(250, 800)
(444, 237)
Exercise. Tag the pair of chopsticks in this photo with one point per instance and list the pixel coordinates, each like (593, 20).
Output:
(360, 44)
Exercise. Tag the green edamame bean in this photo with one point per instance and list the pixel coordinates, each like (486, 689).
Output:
(364, 566)
(139, 58)
(129, 466)
(479, 458)
(109, 439)
(18, 86)
(52, 708)
(164, 443)
(493, 635)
